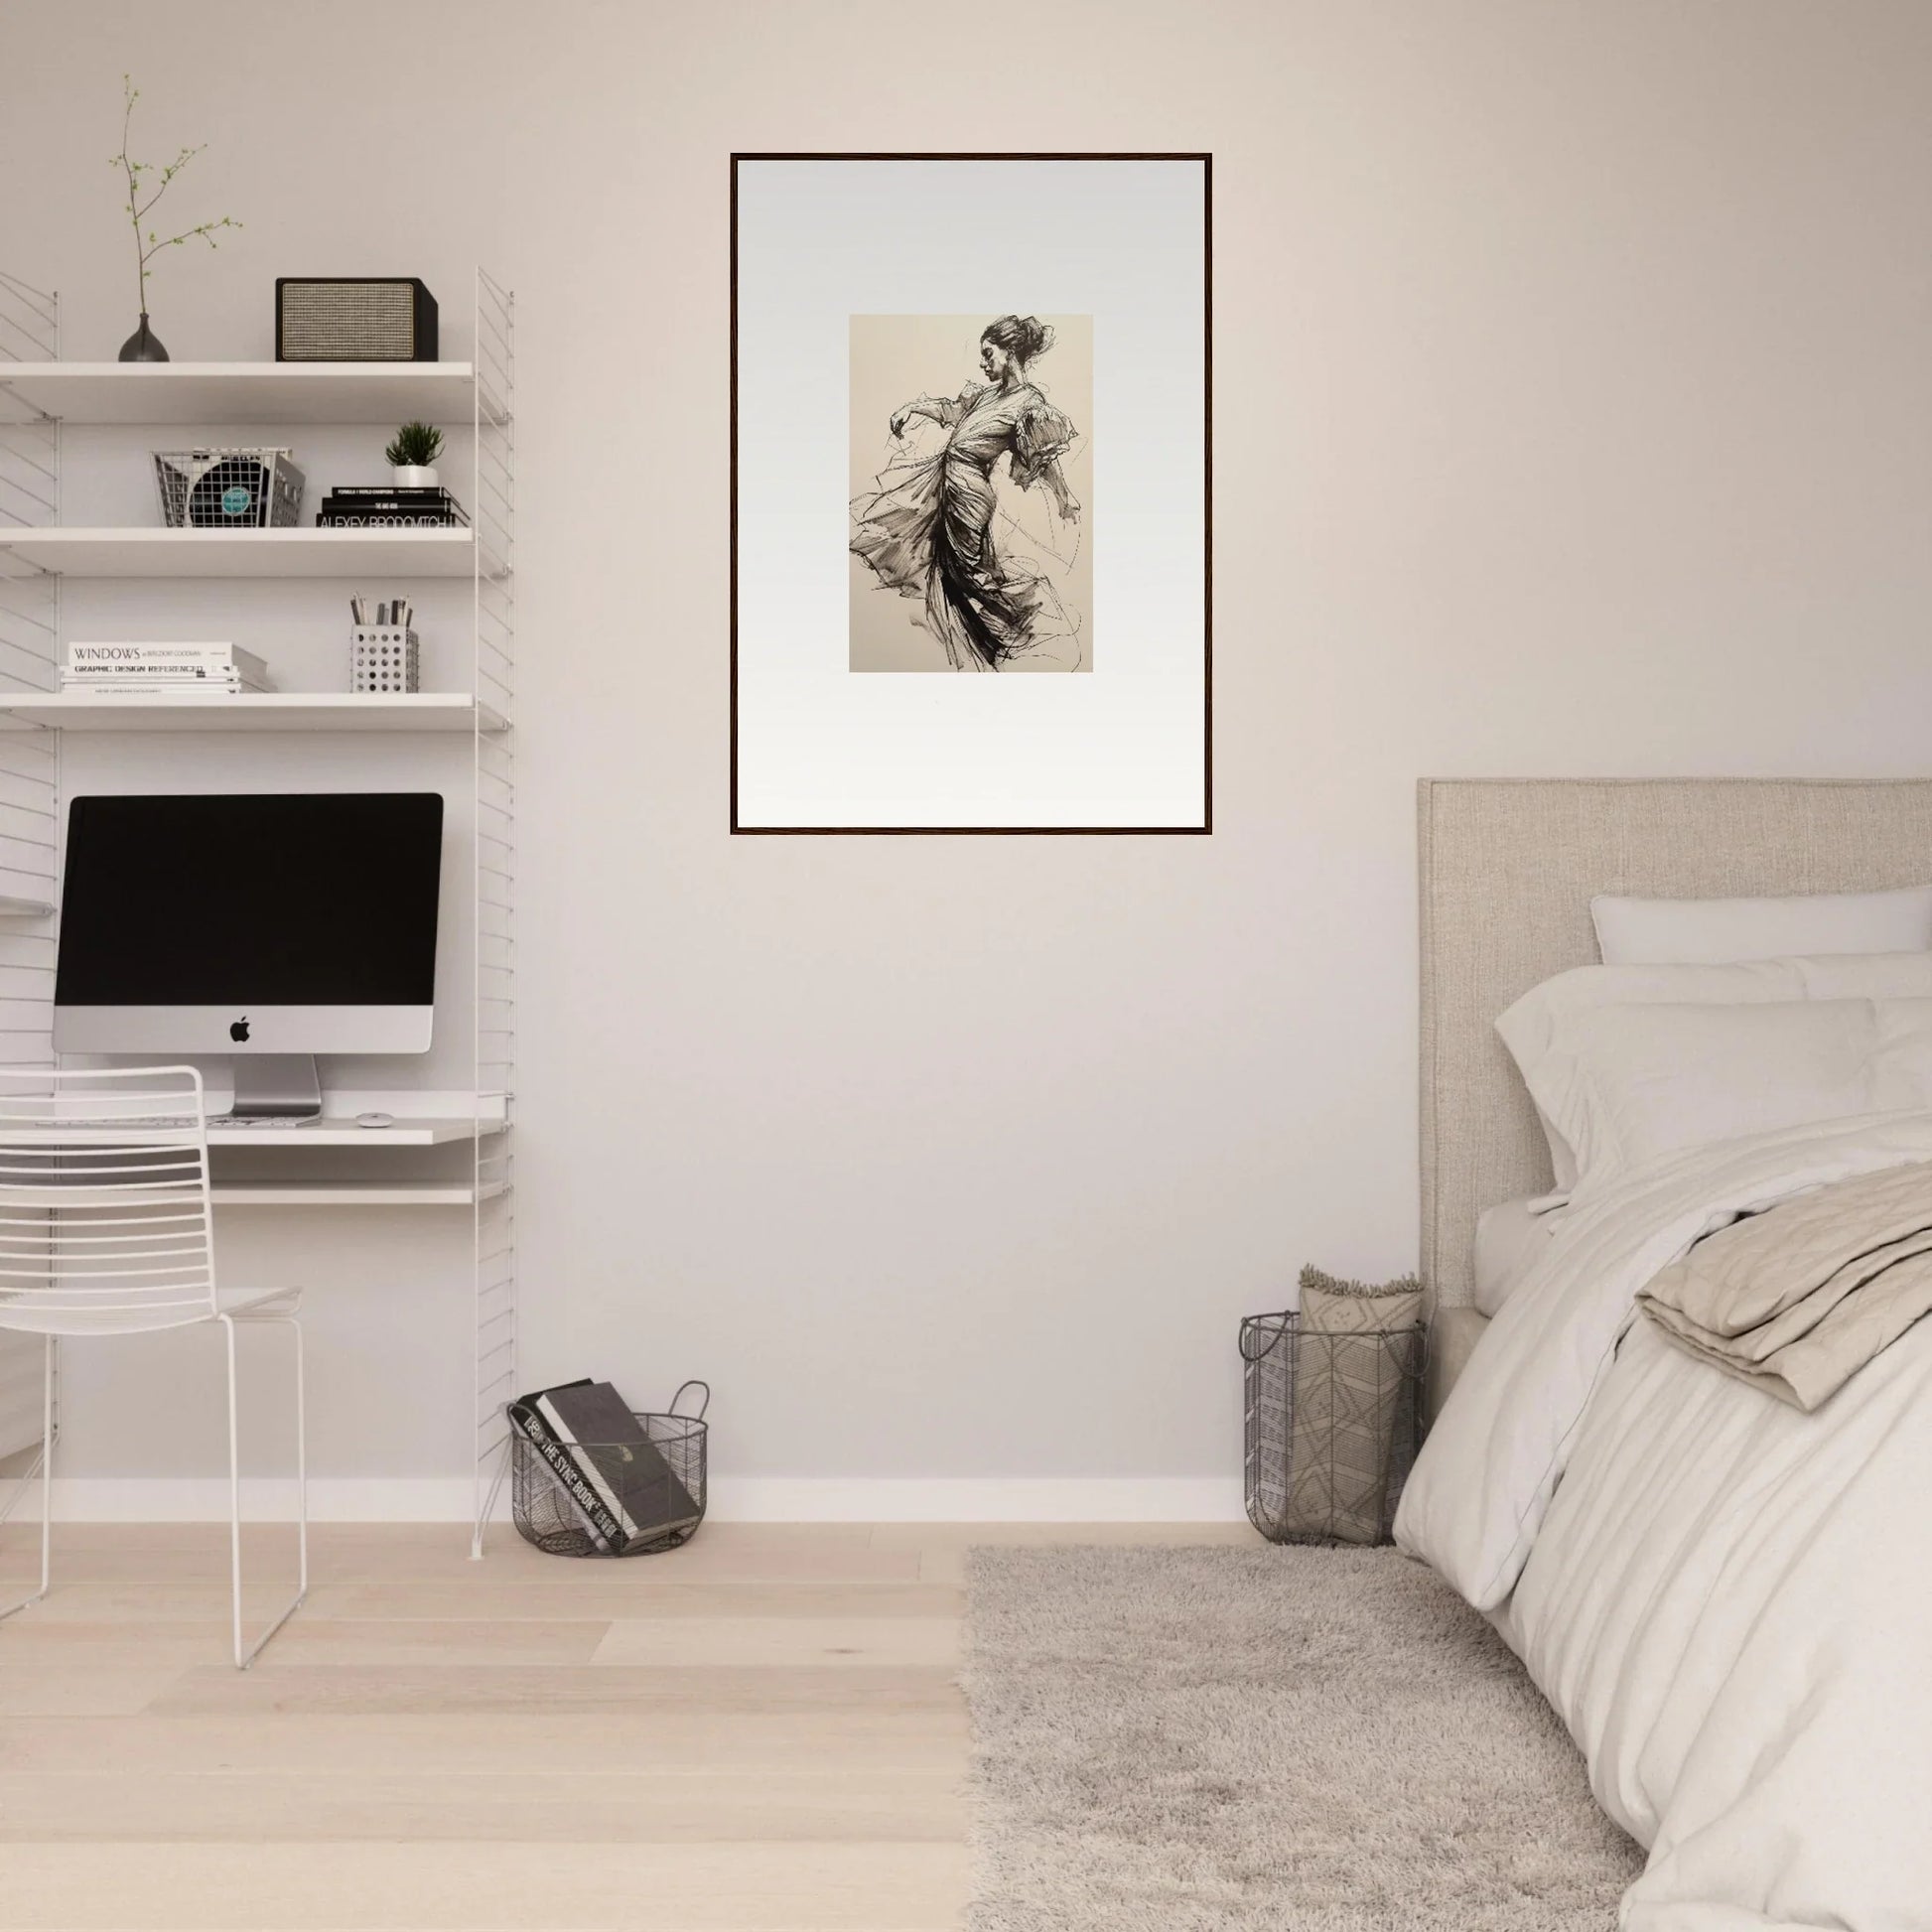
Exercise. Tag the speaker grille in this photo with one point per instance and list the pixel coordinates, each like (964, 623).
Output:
(348, 322)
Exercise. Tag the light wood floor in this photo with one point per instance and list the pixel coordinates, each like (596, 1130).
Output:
(759, 1733)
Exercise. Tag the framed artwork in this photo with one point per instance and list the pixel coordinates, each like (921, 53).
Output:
(971, 493)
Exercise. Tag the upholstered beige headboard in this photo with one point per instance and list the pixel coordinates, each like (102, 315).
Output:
(1507, 869)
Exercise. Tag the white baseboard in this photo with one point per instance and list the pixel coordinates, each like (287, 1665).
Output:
(734, 1500)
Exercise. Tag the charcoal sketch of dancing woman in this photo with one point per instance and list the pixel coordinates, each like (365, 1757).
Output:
(928, 531)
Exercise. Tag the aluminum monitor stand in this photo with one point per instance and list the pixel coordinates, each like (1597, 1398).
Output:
(276, 1087)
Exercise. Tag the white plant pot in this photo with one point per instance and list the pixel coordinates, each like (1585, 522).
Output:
(413, 476)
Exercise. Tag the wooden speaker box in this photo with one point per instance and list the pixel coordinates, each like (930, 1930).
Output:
(354, 319)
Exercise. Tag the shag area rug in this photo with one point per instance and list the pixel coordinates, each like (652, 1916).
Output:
(1198, 1739)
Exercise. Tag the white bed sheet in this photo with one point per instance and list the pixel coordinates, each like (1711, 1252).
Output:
(1726, 1599)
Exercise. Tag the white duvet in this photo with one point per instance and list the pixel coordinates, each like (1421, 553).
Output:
(1727, 1600)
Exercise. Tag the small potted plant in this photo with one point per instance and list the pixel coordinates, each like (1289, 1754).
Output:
(412, 455)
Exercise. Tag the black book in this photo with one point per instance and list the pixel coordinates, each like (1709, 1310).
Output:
(371, 499)
(367, 518)
(527, 1418)
(385, 505)
(432, 505)
(594, 1427)
(414, 493)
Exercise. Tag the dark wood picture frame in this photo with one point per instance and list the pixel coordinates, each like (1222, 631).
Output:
(1207, 825)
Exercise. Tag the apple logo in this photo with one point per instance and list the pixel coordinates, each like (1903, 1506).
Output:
(240, 1031)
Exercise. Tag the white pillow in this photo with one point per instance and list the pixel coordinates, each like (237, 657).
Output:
(1703, 931)
(1530, 1028)
(1511, 1238)
(1627, 1085)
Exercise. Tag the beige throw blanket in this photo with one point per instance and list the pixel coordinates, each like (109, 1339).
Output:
(1799, 1298)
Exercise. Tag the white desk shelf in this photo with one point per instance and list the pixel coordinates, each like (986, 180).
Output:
(246, 392)
(329, 1132)
(267, 710)
(76, 551)
(435, 1131)
(46, 560)
(350, 1193)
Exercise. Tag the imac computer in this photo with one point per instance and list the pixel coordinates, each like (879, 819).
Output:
(269, 926)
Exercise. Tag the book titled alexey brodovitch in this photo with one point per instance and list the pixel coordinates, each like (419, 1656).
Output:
(615, 1476)
(375, 506)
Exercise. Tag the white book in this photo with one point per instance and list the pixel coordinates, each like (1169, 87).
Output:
(163, 674)
(100, 687)
(103, 658)
(151, 673)
(160, 677)
(136, 647)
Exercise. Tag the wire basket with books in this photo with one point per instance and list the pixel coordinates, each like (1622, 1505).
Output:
(589, 1476)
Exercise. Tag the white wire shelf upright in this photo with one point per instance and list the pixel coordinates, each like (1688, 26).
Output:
(30, 781)
(492, 509)
(38, 390)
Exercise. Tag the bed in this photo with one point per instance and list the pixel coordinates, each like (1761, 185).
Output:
(1725, 1598)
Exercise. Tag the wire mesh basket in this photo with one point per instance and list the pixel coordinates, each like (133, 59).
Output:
(228, 489)
(548, 1513)
(1333, 1422)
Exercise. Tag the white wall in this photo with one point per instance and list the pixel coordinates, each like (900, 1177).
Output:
(1574, 401)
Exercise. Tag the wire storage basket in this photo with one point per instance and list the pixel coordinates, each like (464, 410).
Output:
(229, 489)
(1333, 1422)
(554, 1509)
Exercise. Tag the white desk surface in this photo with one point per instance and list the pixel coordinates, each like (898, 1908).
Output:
(329, 1131)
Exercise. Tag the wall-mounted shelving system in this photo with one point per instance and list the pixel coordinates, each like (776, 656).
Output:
(39, 396)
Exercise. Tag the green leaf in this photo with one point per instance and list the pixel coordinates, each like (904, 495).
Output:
(414, 444)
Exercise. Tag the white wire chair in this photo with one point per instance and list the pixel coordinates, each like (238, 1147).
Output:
(106, 1229)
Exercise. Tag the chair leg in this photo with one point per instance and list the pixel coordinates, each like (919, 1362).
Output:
(489, 1508)
(47, 1484)
(243, 1657)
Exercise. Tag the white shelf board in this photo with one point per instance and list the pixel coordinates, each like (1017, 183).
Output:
(300, 552)
(267, 710)
(331, 1130)
(348, 1193)
(24, 908)
(244, 392)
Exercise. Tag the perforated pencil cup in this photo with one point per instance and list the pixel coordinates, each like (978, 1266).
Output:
(382, 657)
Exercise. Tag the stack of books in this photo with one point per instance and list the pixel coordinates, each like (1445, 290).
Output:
(384, 507)
(622, 1488)
(205, 669)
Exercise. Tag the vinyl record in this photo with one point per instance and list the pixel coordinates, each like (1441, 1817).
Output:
(231, 493)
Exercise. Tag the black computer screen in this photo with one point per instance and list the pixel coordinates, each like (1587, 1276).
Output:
(263, 898)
